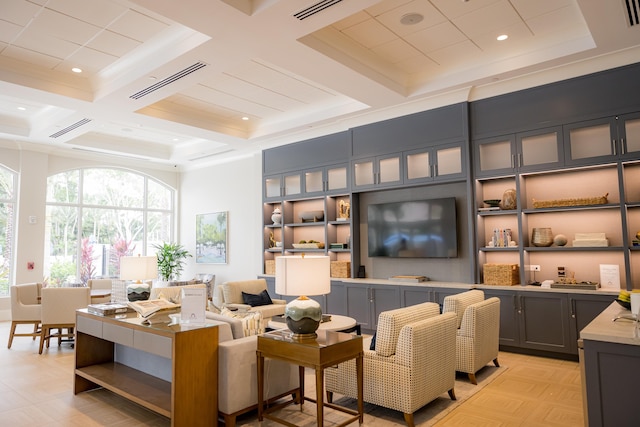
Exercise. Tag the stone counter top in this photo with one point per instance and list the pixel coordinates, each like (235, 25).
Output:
(603, 328)
(437, 284)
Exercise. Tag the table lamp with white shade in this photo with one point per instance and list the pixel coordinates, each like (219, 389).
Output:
(138, 269)
(302, 276)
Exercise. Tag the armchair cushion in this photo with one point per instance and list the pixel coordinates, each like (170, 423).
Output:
(254, 300)
(391, 322)
(458, 303)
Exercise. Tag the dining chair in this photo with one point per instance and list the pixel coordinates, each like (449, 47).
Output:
(100, 284)
(59, 307)
(25, 309)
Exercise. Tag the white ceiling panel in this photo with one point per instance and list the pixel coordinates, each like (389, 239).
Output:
(293, 79)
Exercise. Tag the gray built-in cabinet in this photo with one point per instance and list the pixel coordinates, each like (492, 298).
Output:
(572, 138)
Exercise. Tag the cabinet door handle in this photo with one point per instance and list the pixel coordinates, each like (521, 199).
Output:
(435, 170)
(613, 147)
(520, 160)
(513, 161)
(623, 146)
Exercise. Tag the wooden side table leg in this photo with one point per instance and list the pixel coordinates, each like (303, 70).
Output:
(301, 382)
(320, 395)
(260, 366)
(360, 374)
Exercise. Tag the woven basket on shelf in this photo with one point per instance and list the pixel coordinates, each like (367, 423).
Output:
(341, 269)
(582, 201)
(501, 274)
(270, 266)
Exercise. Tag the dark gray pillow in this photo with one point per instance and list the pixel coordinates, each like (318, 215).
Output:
(254, 300)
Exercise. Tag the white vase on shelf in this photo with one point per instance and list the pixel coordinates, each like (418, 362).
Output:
(276, 216)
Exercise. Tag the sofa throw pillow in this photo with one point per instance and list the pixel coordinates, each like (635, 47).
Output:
(372, 347)
(251, 321)
(254, 300)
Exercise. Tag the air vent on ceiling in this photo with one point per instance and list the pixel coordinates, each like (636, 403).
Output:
(167, 81)
(633, 8)
(69, 128)
(105, 153)
(206, 156)
(317, 7)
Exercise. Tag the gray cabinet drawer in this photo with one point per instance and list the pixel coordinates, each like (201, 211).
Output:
(118, 334)
(151, 343)
(89, 326)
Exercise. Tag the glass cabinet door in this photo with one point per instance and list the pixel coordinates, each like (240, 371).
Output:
(629, 126)
(449, 161)
(389, 170)
(314, 181)
(292, 185)
(418, 165)
(593, 141)
(540, 147)
(363, 174)
(495, 156)
(337, 178)
(272, 187)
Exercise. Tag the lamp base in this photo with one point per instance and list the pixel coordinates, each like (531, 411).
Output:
(303, 317)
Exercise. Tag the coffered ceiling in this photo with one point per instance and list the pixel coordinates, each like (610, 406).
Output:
(194, 82)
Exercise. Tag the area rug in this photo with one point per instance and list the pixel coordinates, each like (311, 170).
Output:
(376, 415)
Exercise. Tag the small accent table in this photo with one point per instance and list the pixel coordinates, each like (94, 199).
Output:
(328, 349)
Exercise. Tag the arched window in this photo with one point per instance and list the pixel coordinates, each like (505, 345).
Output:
(95, 216)
(7, 221)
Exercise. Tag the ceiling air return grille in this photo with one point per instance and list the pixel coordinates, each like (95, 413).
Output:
(633, 9)
(69, 128)
(167, 81)
(318, 7)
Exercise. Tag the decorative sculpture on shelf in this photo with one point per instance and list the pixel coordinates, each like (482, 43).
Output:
(344, 210)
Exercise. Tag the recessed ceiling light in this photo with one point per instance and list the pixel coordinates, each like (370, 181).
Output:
(411, 18)
(502, 37)
(176, 139)
(22, 108)
(76, 70)
(245, 118)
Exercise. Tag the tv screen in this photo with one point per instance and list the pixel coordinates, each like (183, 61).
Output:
(413, 229)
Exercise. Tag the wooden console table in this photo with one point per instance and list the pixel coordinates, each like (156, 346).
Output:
(328, 349)
(130, 359)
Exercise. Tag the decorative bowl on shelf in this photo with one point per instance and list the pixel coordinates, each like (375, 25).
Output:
(311, 216)
(308, 245)
(493, 203)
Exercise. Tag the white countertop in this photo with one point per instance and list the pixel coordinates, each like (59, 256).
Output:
(603, 328)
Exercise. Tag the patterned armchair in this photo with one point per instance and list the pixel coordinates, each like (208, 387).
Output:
(412, 364)
(478, 334)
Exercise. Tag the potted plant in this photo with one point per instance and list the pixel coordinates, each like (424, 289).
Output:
(171, 260)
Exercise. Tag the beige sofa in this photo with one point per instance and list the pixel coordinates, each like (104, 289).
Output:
(229, 294)
(412, 364)
(237, 380)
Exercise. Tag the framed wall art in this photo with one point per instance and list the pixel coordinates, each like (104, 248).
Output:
(211, 238)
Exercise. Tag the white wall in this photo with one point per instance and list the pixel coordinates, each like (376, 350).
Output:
(234, 188)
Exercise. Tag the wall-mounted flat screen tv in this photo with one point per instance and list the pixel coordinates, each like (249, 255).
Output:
(413, 229)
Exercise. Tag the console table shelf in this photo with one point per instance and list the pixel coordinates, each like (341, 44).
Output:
(170, 369)
(144, 389)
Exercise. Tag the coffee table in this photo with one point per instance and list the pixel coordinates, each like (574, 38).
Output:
(337, 323)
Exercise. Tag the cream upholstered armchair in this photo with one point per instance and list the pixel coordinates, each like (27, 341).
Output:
(104, 284)
(59, 307)
(478, 335)
(25, 309)
(412, 364)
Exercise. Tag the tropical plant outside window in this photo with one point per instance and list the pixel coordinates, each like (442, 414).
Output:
(7, 220)
(95, 216)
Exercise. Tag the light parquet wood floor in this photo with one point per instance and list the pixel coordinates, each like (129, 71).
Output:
(36, 390)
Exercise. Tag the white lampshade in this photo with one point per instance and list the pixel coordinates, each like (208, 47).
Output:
(303, 275)
(138, 268)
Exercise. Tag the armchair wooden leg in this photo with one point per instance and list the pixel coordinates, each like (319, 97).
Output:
(35, 330)
(408, 418)
(495, 362)
(472, 378)
(11, 333)
(229, 420)
(44, 331)
(452, 394)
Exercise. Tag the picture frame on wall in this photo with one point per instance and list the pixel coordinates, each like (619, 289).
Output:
(211, 238)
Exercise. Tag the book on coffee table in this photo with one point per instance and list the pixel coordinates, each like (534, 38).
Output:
(107, 308)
